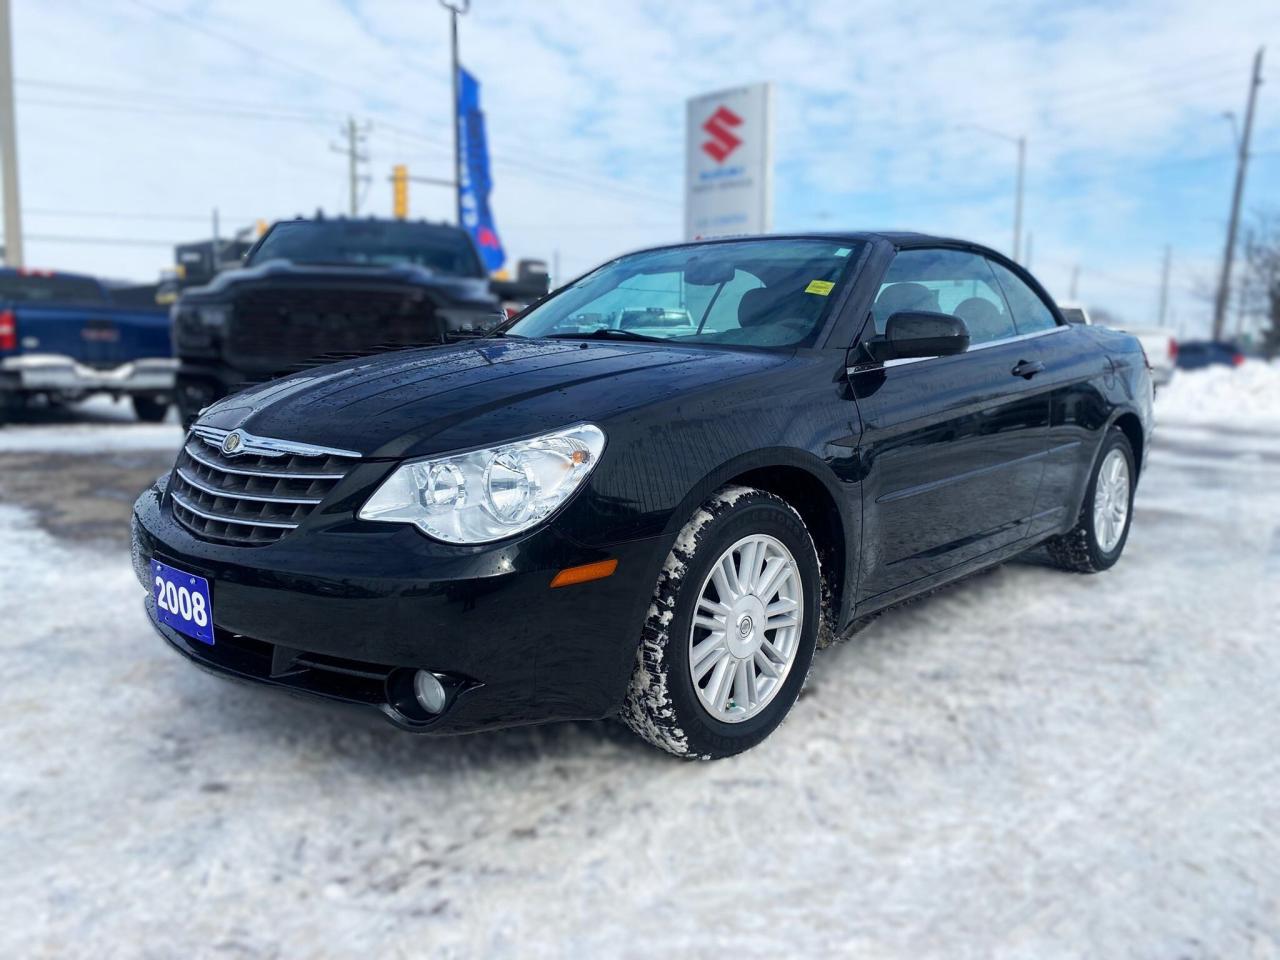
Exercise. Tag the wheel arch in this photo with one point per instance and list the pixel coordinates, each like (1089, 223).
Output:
(808, 485)
(1131, 426)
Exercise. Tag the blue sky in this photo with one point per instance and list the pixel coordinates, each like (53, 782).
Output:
(136, 118)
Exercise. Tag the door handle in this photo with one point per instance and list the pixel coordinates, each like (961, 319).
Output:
(1028, 368)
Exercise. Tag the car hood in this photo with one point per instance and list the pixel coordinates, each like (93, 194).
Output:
(420, 402)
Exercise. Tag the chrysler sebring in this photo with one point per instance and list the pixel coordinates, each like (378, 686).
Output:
(653, 494)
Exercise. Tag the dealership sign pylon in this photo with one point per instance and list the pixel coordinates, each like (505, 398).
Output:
(729, 163)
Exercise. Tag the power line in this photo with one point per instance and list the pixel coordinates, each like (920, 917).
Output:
(101, 241)
(122, 215)
(185, 21)
(148, 96)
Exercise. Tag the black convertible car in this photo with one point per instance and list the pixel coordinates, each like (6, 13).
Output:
(653, 494)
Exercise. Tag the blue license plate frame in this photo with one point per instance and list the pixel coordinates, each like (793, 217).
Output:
(183, 601)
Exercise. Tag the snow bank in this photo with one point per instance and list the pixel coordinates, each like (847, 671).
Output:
(1248, 393)
(90, 438)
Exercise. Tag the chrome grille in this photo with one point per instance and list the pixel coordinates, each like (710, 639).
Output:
(257, 494)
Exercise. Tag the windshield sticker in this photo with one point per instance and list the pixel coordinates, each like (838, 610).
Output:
(844, 251)
(820, 287)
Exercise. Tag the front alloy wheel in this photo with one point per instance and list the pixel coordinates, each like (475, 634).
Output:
(731, 631)
(747, 629)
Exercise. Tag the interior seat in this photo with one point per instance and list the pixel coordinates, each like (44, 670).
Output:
(985, 320)
(900, 297)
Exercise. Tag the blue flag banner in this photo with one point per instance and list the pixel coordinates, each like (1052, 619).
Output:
(474, 182)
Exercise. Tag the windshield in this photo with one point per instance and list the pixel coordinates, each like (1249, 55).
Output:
(765, 293)
(372, 242)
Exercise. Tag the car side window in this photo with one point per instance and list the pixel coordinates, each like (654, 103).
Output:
(946, 281)
(1030, 313)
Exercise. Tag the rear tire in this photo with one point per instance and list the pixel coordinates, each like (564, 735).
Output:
(150, 409)
(1096, 541)
(755, 632)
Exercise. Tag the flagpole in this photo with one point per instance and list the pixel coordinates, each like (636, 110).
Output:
(455, 8)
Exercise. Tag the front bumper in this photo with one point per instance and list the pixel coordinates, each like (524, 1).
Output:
(47, 372)
(350, 612)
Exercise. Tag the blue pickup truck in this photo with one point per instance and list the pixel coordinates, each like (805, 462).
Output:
(63, 337)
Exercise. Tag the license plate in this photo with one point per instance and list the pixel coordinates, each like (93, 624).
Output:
(182, 601)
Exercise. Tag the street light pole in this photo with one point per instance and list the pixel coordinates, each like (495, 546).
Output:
(456, 8)
(1021, 143)
(1017, 206)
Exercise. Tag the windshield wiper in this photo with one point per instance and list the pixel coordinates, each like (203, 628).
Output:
(604, 333)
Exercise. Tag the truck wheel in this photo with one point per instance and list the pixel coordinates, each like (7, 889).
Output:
(1098, 538)
(150, 409)
(731, 631)
(10, 405)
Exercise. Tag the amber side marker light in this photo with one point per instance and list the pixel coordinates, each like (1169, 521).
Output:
(585, 573)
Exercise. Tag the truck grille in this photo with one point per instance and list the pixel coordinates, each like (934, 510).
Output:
(256, 494)
(273, 329)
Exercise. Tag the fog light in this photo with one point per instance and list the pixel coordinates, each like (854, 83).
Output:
(429, 691)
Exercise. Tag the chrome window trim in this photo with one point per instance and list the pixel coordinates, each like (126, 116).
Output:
(864, 367)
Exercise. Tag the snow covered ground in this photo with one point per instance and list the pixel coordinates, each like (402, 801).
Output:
(1031, 764)
(1248, 395)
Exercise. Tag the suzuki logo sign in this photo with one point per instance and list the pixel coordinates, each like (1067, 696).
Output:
(728, 163)
(722, 142)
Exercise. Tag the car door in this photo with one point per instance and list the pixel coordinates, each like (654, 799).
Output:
(1073, 369)
(952, 447)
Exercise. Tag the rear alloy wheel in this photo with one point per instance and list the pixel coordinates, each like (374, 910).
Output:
(732, 629)
(1098, 538)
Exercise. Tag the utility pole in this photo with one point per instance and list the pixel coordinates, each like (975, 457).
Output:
(217, 241)
(1164, 288)
(1233, 224)
(1029, 239)
(456, 8)
(1075, 283)
(354, 134)
(1017, 209)
(1242, 291)
(9, 146)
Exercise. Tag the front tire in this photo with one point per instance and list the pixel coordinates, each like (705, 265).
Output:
(1096, 541)
(731, 631)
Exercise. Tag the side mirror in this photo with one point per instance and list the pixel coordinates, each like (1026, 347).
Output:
(917, 333)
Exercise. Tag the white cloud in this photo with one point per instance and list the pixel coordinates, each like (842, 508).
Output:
(585, 103)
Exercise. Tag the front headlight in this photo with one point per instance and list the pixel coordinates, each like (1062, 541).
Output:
(490, 494)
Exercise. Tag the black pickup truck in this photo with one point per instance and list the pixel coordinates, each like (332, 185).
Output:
(316, 290)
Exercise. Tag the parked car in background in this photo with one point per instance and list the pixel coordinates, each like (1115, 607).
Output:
(1159, 345)
(650, 494)
(64, 337)
(1076, 314)
(1161, 348)
(316, 290)
(1196, 354)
